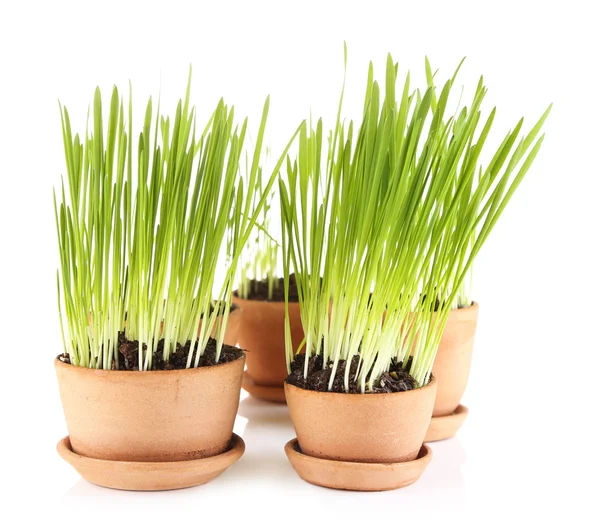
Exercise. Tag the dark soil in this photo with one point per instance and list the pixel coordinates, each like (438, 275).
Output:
(129, 353)
(259, 291)
(396, 380)
(437, 303)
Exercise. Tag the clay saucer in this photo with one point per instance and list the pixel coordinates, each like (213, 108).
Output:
(140, 475)
(349, 475)
(268, 393)
(444, 427)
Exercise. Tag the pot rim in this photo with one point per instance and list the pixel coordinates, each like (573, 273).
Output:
(339, 395)
(468, 311)
(234, 309)
(144, 373)
(474, 305)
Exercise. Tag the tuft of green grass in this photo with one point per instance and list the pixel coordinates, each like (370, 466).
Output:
(382, 223)
(258, 261)
(141, 223)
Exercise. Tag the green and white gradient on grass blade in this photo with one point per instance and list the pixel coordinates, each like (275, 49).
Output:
(140, 231)
(384, 223)
(258, 261)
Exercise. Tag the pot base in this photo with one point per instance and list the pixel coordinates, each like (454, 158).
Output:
(349, 475)
(141, 475)
(267, 393)
(444, 427)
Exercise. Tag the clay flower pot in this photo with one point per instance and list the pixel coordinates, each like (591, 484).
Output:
(124, 420)
(360, 441)
(451, 369)
(261, 333)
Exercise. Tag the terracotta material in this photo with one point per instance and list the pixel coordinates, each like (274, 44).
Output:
(350, 475)
(453, 360)
(275, 394)
(444, 427)
(369, 428)
(172, 415)
(153, 475)
(233, 326)
(261, 334)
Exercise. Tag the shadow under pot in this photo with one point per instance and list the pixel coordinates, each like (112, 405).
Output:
(261, 333)
(154, 430)
(362, 442)
(451, 369)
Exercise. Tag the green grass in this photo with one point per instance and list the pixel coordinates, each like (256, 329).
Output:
(381, 223)
(258, 261)
(142, 220)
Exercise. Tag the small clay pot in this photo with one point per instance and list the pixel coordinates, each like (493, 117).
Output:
(162, 416)
(360, 442)
(453, 359)
(261, 333)
(451, 368)
(367, 428)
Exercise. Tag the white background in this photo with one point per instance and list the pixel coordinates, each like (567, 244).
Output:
(529, 449)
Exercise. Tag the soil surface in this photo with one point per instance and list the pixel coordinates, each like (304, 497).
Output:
(259, 291)
(396, 380)
(128, 355)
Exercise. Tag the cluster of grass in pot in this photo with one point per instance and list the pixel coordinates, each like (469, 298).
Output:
(382, 222)
(142, 226)
(479, 195)
(258, 261)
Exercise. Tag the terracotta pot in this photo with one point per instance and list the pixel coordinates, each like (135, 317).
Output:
(164, 416)
(453, 360)
(366, 428)
(261, 333)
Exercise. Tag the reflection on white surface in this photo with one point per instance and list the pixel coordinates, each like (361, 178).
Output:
(268, 429)
(479, 477)
(444, 478)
